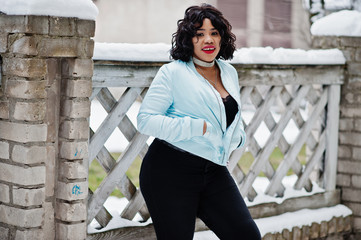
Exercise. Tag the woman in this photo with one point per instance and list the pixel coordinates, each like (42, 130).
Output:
(193, 110)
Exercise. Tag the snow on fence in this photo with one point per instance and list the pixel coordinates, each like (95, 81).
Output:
(274, 97)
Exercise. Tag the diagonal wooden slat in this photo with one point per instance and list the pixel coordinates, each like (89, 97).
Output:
(113, 178)
(296, 147)
(108, 102)
(315, 158)
(112, 121)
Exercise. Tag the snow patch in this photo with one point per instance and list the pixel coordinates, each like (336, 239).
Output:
(342, 23)
(83, 9)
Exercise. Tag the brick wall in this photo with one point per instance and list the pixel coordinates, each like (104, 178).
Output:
(44, 106)
(349, 151)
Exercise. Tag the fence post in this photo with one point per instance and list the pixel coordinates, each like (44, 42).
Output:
(44, 106)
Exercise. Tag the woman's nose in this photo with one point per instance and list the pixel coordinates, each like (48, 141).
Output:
(208, 38)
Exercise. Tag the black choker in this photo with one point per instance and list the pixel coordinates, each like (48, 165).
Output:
(203, 63)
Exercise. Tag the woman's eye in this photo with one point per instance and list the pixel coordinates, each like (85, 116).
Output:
(199, 34)
(214, 33)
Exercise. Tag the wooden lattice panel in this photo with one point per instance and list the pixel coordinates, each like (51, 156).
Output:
(262, 90)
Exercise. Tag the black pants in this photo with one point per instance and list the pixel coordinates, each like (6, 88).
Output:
(178, 187)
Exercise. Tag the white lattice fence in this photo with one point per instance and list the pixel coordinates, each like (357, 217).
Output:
(307, 96)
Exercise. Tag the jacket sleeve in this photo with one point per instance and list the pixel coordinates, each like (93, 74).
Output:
(152, 119)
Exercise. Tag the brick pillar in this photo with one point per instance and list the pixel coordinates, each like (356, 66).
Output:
(44, 106)
(349, 150)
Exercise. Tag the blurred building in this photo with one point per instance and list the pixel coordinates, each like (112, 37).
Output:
(276, 23)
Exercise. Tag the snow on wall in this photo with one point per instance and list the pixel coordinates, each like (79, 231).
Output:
(83, 9)
(342, 23)
(159, 52)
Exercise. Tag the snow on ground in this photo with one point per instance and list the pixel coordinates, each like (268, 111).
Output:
(159, 52)
(83, 9)
(342, 23)
(276, 224)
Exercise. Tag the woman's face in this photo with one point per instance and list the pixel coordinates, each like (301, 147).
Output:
(206, 42)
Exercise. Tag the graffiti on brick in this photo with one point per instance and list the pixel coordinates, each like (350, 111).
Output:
(77, 152)
(76, 190)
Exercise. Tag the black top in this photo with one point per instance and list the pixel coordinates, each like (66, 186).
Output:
(231, 108)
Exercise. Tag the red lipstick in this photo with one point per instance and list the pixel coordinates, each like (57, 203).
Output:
(209, 49)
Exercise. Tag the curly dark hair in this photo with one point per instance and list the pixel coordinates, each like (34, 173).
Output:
(182, 46)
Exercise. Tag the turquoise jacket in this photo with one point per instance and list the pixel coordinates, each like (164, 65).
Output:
(178, 102)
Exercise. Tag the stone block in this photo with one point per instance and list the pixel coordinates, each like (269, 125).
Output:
(51, 169)
(29, 154)
(24, 133)
(23, 176)
(24, 67)
(28, 197)
(296, 233)
(72, 191)
(286, 234)
(4, 233)
(314, 230)
(346, 124)
(350, 194)
(339, 224)
(4, 193)
(323, 229)
(347, 223)
(350, 112)
(356, 181)
(355, 207)
(30, 111)
(325, 42)
(3, 42)
(73, 150)
(71, 212)
(85, 28)
(37, 24)
(62, 26)
(24, 45)
(73, 170)
(268, 236)
(87, 48)
(349, 98)
(58, 47)
(71, 231)
(12, 24)
(78, 88)
(4, 109)
(350, 41)
(354, 82)
(352, 138)
(356, 224)
(358, 55)
(4, 150)
(49, 221)
(305, 233)
(77, 68)
(332, 226)
(25, 89)
(354, 68)
(349, 167)
(29, 234)
(343, 180)
(356, 153)
(76, 108)
(71, 129)
(26, 218)
(344, 152)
